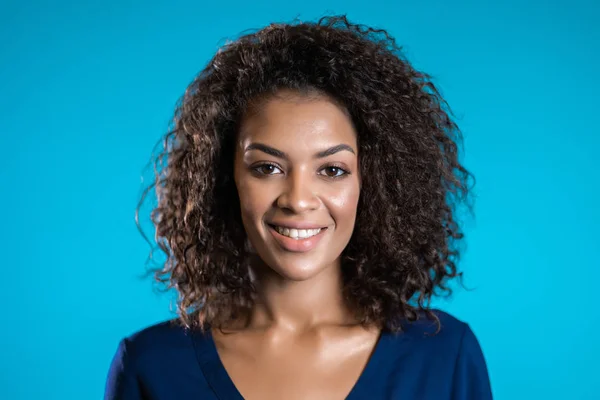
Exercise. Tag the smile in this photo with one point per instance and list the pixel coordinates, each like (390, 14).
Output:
(297, 233)
(296, 240)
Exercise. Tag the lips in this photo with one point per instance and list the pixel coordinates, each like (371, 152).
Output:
(297, 233)
(313, 235)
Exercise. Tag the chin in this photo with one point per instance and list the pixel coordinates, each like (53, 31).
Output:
(297, 270)
(297, 274)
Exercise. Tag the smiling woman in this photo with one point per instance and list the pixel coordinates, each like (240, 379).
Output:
(306, 208)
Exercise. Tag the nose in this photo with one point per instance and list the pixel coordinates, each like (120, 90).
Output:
(298, 194)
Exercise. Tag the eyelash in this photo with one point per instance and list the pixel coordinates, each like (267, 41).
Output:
(257, 169)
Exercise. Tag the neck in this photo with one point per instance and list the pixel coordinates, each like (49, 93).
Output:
(300, 305)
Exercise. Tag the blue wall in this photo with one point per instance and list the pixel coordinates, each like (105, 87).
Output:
(87, 88)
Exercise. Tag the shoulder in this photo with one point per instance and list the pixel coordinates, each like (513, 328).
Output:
(144, 361)
(447, 328)
(147, 344)
(153, 341)
(451, 353)
(445, 338)
(166, 333)
(162, 342)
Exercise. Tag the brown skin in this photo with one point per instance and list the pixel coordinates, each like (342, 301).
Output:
(301, 341)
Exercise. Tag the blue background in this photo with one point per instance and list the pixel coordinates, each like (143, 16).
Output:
(87, 88)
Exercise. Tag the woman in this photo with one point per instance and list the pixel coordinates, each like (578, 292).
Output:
(307, 198)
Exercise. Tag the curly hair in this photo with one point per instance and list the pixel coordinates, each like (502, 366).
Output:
(404, 247)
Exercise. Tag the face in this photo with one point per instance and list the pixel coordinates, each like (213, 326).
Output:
(296, 172)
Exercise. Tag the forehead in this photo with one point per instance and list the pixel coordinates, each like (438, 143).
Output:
(295, 123)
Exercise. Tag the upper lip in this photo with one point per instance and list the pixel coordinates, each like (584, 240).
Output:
(296, 225)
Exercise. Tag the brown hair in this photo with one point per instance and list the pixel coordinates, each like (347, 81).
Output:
(405, 244)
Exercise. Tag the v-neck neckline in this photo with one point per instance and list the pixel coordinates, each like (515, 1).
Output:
(222, 385)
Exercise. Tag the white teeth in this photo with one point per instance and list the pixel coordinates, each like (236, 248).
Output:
(297, 233)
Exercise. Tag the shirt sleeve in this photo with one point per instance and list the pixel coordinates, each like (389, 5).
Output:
(471, 379)
(121, 383)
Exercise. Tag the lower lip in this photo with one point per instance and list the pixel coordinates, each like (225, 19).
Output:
(297, 245)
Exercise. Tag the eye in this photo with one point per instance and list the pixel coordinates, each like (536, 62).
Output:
(333, 171)
(267, 169)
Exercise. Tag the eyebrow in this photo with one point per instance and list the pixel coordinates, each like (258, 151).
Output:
(280, 154)
(333, 150)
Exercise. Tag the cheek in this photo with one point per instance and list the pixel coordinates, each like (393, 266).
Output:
(343, 203)
(254, 200)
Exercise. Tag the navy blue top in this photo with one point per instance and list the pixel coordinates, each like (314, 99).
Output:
(166, 361)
